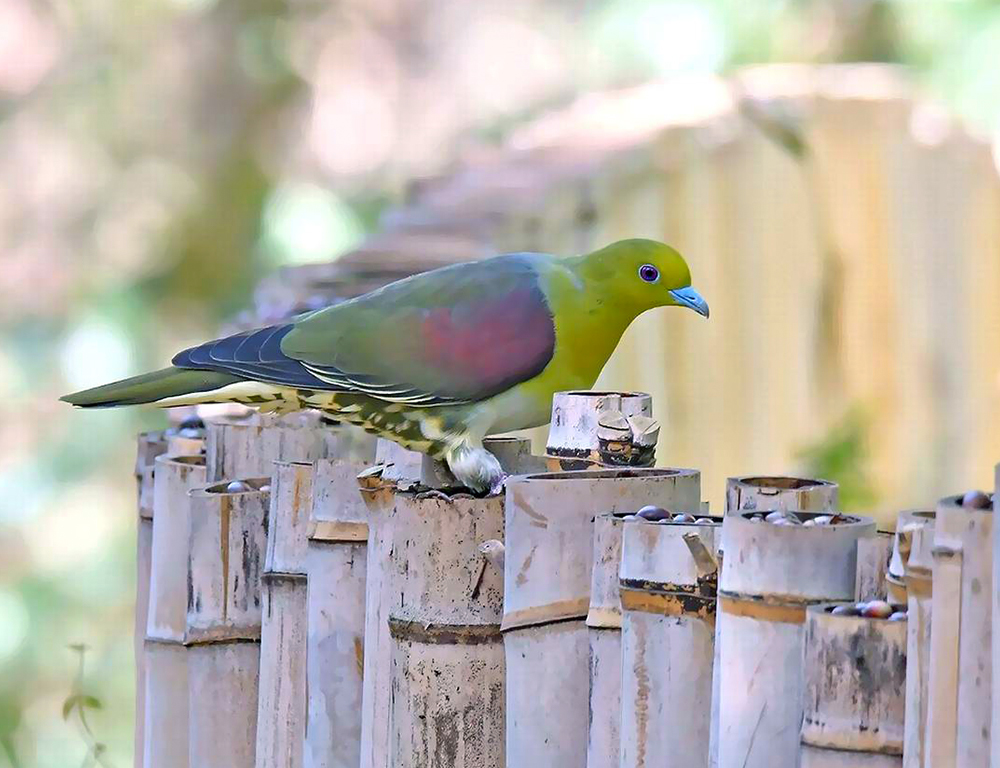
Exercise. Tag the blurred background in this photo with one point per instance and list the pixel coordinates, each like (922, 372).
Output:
(158, 159)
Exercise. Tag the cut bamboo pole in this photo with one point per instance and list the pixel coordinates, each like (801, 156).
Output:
(335, 655)
(873, 560)
(225, 558)
(668, 579)
(149, 445)
(604, 633)
(592, 429)
(914, 542)
(959, 710)
(398, 463)
(785, 493)
(246, 447)
(547, 580)
(770, 574)
(377, 657)
(447, 671)
(399, 469)
(855, 676)
(175, 477)
(995, 721)
(165, 689)
(281, 712)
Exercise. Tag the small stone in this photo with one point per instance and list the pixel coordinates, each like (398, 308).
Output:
(809, 524)
(683, 518)
(704, 521)
(774, 516)
(756, 519)
(845, 610)
(630, 518)
(822, 520)
(877, 609)
(650, 512)
(192, 422)
(266, 488)
(237, 486)
(898, 616)
(781, 521)
(976, 500)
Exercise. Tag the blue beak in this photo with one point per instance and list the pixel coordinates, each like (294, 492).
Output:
(690, 298)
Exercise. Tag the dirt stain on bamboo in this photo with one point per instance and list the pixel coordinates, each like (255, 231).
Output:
(641, 694)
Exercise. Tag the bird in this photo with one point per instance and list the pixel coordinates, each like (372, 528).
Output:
(439, 360)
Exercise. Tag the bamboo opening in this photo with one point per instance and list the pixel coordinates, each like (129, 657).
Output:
(605, 474)
(254, 485)
(784, 483)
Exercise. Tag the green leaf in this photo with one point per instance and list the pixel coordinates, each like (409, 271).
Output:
(91, 702)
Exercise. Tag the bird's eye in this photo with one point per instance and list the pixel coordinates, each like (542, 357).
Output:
(649, 273)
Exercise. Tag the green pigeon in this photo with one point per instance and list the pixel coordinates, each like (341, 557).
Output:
(439, 360)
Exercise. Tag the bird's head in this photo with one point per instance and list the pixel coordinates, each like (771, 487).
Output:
(643, 274)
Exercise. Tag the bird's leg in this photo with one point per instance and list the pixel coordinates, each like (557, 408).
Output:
(475, 467)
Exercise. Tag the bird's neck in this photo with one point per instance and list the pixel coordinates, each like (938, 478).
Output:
(596, 326)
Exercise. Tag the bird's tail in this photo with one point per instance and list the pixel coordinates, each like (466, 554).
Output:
(167, 384)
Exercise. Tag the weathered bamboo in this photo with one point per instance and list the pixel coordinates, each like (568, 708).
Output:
(959, 709)
(995, 720)
(668, 579)
(873, 560)
(590, 429)
(915, 533)
(547, 579)
(335, 655)
(786, 493)
(246, 447)
(223, 703)
(165, 689)
(398, 462)
(447, 673)
(175, 477)
(604, 633)
(403, 469)
(514, 455)
(281, 712)
(855, 676)
(149, 446)
(226, 555)
(770, 574)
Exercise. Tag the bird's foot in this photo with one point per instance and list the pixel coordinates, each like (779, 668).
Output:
(477, 469)
(498, 485)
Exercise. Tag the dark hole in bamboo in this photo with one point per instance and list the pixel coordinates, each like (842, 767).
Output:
(785, 483)
(605, 474)
(590, 393)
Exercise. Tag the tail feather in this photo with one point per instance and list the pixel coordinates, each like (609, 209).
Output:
(151, 388)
